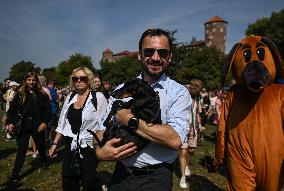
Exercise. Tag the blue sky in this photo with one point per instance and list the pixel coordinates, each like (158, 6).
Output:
(47, 32)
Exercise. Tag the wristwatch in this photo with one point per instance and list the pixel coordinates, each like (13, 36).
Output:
(133, 123)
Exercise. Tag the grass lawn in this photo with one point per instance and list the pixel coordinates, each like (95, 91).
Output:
(34, 178)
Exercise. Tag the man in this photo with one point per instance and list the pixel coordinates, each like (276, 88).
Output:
(54, 111)
(195, 130)
(151, 168)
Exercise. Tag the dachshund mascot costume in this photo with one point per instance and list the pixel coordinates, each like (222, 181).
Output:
(250, 139)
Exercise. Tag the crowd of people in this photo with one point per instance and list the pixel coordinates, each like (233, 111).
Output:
(50, 116)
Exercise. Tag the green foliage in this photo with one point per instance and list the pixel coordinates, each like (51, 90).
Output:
(34, 178)
(49, 73)
(66, 67)
(204, 64)
(270, 27)
(20, 69)
(121, 70)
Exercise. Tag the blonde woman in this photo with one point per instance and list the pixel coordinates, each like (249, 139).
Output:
(79, 114)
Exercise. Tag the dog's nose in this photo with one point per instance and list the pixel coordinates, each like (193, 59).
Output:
(256, 75)
(255, 84)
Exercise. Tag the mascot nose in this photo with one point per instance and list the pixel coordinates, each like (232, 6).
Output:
(256, 75)
(255, 84)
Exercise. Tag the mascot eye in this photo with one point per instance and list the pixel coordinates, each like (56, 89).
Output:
(260, 53)
(247, 55)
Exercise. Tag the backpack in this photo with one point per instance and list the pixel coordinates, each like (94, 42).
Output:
(93, 100)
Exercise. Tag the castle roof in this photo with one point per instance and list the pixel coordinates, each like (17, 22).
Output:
(107, 50)
(197, 43)
(215, 19)
(126, 53)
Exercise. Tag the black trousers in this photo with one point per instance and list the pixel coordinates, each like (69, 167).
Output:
(88, 176)
(23, 142)
(157, 179)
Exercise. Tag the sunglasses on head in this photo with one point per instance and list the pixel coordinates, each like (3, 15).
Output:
(149, 52)
(81, 78)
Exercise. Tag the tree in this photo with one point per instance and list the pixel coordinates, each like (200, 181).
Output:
(66, 67)
(121, 70)
(204, 64)
(50, 73)
(20, 69)
(270, 27)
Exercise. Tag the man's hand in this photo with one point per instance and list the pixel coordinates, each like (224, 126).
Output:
(41, 127)
(109, 152)
(123, 116)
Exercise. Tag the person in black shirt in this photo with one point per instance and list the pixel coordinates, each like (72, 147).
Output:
(33, 103)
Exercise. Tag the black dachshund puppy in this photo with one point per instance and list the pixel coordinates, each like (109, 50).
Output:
(145, 105)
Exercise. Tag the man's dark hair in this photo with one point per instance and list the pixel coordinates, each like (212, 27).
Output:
(155, 32)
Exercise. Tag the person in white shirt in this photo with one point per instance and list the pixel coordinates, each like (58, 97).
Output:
(10, 94)
(152, 167)
(79, 114)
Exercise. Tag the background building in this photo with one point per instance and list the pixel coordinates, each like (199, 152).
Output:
(109, 56)
(216, 33)
(215, 36)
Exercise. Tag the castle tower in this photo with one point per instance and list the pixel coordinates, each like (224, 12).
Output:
(216, 33)
(107, 55)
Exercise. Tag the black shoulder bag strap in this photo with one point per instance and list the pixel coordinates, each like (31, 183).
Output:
(94, 99)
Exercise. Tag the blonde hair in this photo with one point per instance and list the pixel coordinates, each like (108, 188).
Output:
(42, 80)
(90, 76)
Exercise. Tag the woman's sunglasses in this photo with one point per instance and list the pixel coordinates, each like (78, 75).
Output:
(81, 78)
(149, 52)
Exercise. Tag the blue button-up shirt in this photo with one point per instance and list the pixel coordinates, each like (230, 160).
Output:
(175, 103)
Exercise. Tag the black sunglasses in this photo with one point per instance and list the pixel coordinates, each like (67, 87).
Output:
(149, 52)
(81, 78)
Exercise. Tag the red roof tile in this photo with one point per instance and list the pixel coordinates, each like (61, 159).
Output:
(107, 50)
(215, 19)
(125, 53)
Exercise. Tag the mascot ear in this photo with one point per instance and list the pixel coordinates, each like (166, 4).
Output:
(229, 62)
(276, 57)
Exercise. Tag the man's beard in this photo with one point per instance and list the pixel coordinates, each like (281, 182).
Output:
(154, 75)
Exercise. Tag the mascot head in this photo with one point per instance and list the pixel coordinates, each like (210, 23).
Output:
(255, 62)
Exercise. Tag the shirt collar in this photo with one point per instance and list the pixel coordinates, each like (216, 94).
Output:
(160, 83)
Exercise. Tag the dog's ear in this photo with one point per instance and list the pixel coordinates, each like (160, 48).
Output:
(276, 57)
(229, 61)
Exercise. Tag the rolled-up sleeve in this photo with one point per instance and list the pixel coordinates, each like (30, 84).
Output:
(179, 113)
(105, 114)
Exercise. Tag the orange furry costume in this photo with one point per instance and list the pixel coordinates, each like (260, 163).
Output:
(250, 135)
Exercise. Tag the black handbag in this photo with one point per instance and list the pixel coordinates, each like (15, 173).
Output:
(75, 163)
